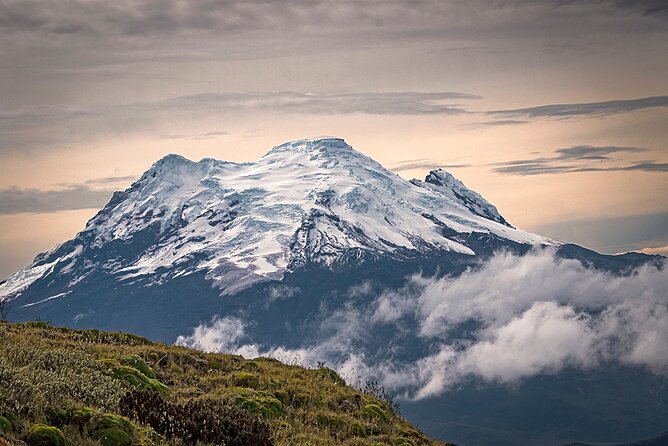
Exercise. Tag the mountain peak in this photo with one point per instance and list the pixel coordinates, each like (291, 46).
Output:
(324, 144)
(172, 159)
(445, 183)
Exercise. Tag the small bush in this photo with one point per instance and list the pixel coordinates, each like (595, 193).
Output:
(259, 403)
(359, 430)
(329, 374)
(414, 436)
(401, 441)
(138, 363)
(197, 421)
(215, 364)
(137, 379)
(329, 421)
(109, 429)
(43, 435)
(79, 417)
(113, 436)
(244, 379)
(300, 400)
(251, 366)
(5, 425)
(374, 412)
(35, 376)
(108, 421)
(283, 396)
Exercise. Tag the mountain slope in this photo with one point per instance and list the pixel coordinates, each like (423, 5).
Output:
(81, 382)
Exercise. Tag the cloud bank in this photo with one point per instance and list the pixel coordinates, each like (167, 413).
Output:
(532, 314)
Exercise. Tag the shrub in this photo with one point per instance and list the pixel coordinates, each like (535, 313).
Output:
(138, 363)
(5, 425)
(79, 417)
(109, 429)
(93, 336)
(251, 366)
(374, 412)
(137, 379)
(359, 430)
(283, 396)
(113, 436)
(196, 421)
(108, 421)
(244, 379)
(43, 435)
(401, 441)
(34, 376)
(329, 374)
(301, 400)
(415, 436)
(373, 389)
(215, 364)
(259, 403)
(329, 421)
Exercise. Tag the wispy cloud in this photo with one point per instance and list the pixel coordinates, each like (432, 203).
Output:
(594, 152)
(111, 180)
(207, 135)
(499, 123)
(424, 163)
(14, 200)
(55, 126)
(579, 159)
(105, 183)
(653, 8)
(586, 109)
(373, 103)
(647, 166)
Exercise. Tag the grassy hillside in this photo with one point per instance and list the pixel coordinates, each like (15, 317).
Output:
(68, 387)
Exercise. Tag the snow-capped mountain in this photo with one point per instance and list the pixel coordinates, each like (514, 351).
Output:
(308, 202)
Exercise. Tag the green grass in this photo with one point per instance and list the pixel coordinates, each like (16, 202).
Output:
(56, 381)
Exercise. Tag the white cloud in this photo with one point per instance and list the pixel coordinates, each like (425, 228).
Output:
(546, 337)
(530, 315)
(222, 336)
(282, 292)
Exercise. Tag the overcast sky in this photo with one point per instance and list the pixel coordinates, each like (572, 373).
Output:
(555, 111)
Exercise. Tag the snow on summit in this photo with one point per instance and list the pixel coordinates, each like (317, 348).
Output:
(309, 201)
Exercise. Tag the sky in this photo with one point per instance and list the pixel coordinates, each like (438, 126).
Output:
(555, 111)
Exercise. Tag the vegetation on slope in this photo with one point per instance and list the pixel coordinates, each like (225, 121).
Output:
(63, 387)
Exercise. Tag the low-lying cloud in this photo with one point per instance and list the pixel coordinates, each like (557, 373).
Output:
(532, 314)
